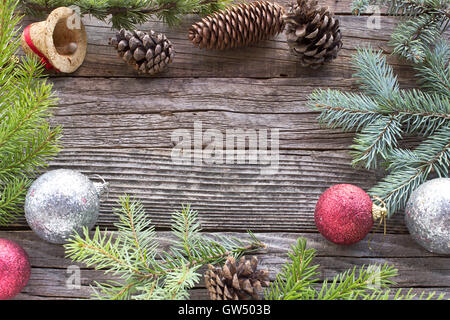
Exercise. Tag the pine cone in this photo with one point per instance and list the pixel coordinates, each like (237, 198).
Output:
(238, 26)
(312, 33)
(146, 52)
(231, 282)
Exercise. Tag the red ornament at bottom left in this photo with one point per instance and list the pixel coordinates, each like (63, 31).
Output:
(15, 269)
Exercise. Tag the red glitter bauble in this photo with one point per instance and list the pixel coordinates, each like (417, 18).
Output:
(343, 214)
(14, 269)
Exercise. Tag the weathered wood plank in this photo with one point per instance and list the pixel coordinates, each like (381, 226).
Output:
(115, 131)
(417, 267)
(140, 113)
(121, 129)
(267, 59)
(228, 197)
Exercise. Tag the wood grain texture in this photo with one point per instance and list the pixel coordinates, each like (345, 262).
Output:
(418, 268)
(268, 59)
(119, 125)
(228, 197)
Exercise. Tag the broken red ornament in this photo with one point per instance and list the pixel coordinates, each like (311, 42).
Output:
(14, 269)
(345, 214)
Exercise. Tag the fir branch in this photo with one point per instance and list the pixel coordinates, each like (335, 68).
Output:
(27, 141)
(421, 112)
(411, 8)
(12, 198)
(386, 295)
(351, 285)
(128, 13)
(411, 38)
(434, 71)
(186, 229)
(409, 169)
(385, 114)
(132, 254)
(298, 280)
(372, 142)
(375, 76)
(424, 21)
(346, 110)
(297, 277)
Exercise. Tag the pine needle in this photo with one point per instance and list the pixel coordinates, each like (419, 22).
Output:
(423, 23)
(384, 115)
(27, 141)
(128, 13)
(146, 271)
(299, 280)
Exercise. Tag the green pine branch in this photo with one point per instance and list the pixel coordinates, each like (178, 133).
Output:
(298, 280)
(423, 23)
(384, 114)
(297, 277)
(128, 13)
(143, 269)
(27, 140)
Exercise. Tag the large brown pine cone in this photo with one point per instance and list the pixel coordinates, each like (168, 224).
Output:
(238, 26)
(236, 282)
(312, 33)
(146, 52)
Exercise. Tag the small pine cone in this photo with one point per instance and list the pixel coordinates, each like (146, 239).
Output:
(236, 282)
(145, 52)
(238, 26)
(312, 33)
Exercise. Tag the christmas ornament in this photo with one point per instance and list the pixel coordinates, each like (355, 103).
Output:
(238, 26)
(14, 269)
(60, 202)
(427, 215)
(146, 52)
(345, 214)
(312, 33)
(236, 282)
(60, 41)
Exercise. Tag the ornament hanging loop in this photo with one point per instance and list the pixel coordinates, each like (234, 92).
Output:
(379, 212)
(101, 187)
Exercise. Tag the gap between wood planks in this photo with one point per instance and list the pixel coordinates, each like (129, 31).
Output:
(418, 268)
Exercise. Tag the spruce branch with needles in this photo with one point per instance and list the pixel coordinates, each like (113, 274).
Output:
(383, 115)
(128, 13)
(134, 256)
(422, 24)
(299, 280)
(27, 140)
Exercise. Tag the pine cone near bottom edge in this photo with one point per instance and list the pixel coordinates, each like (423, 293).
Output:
(148, 53)
(312, 33)
(236, 282)
(238, 26)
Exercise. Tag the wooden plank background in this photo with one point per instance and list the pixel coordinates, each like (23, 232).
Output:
(118, 125)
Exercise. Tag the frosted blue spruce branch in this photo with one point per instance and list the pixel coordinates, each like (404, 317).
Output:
(383, 115)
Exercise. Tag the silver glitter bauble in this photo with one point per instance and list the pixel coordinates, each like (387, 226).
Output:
(427, 215)
(60, 202)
